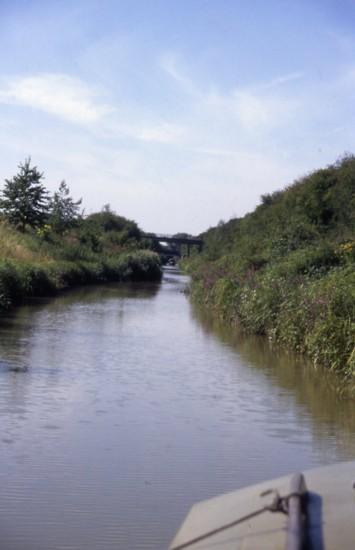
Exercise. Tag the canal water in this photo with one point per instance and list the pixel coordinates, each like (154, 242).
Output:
(121, 406)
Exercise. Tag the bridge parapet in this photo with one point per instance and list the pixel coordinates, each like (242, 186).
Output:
(164, 238)
(171, 239)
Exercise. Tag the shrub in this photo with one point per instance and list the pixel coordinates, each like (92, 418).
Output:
(286, 270)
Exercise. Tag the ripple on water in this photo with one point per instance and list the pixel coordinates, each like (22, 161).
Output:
(151, 410)
(51, 427)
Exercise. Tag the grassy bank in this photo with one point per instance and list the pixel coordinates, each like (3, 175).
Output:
(103, 247)
(287, 269)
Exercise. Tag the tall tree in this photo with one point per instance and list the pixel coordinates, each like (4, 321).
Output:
(64, 211)
(24, 199)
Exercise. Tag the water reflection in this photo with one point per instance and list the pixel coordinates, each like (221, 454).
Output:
(323, 396)
(121, 406)
(18, 327)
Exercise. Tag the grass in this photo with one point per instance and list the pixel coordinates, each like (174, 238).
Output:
(40, 263)
(286, 270)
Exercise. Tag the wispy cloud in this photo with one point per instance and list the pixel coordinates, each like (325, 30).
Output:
(228, 144)
(169, 63)
(253, 112)
(154, 130)
(259, 106)
(58, 94)
(280, 80)
(77, 102)
(161, 133)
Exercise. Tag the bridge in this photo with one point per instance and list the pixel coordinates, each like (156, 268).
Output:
(176, 241)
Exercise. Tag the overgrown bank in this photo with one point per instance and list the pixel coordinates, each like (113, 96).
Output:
(47, 245)
(31, 266)
(287, 269)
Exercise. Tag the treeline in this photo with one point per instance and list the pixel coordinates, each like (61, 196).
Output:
(47, 243)
(286, 270)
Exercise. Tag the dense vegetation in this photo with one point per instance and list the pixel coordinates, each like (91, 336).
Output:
(286, 270)
(47, 244)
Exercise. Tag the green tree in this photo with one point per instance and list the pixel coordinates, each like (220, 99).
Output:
(24, 199)
(64, 211)
(107, 220)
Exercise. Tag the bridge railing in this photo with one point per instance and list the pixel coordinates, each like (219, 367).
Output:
(164, 236)
(179, 242)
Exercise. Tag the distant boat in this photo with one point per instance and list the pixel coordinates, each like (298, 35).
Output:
(310, 511)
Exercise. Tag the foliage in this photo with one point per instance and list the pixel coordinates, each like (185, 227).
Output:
(21, 280)
(107, 220)
(64, 212)
(24, 199)
(71, 251)
(286, 270)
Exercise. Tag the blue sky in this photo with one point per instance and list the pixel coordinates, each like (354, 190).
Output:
(179, 113)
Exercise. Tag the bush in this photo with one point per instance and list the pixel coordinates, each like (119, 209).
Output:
(287, 269)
